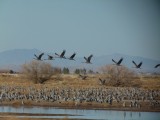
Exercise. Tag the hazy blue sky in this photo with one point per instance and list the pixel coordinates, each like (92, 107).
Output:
(100, 27)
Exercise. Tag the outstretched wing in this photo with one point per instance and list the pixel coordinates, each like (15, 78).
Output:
(72, 56)
(157, 65)
(50, 57)
(114, 61)
(89, 58)
(40, 56)
(35, 55)
(62, 54)
(82, 77)
(56, 54)
(100, 79)
(119, 62)
(140, 64)
(134, 63)
(85, 58)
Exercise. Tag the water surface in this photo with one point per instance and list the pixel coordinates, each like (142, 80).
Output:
(52, 112)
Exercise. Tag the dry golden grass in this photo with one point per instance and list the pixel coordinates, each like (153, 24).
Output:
(73, 80)
(150, 82)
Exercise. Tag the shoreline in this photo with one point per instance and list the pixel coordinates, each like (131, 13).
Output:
(85, 107)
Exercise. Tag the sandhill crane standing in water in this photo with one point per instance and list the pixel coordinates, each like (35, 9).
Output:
(157, 66)
(72, 56)
(88, 60)
(119, 62)
(38, 57)
(61, 55)
(49, 58)
(137, 66)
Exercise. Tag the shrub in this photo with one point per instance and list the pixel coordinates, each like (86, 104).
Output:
(118, 75)
(57, 70)
(37, 71)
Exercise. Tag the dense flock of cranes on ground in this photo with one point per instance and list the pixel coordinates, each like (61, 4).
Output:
(87, 59)
(124, 97)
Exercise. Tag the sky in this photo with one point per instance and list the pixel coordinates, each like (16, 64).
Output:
(98, 27)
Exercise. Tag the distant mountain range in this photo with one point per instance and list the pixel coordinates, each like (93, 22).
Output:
(13, 59)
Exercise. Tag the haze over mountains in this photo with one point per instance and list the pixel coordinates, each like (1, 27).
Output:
(13, 59)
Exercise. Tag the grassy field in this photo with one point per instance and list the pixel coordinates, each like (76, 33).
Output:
(73, 80)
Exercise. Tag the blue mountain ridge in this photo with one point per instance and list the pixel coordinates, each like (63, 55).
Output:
(13, 59)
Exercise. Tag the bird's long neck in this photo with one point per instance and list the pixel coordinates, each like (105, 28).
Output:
(57, 54)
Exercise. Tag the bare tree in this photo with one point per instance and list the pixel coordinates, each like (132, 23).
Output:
(37, 71)
(118, 75)
(57, 70)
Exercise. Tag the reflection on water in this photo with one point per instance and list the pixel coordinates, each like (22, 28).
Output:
(51, 112)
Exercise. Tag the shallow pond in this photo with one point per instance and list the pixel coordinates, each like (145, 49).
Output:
(51, 112)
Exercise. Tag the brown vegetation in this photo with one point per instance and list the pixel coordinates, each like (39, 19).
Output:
(73, 80)
(37, 71)
(119, 76)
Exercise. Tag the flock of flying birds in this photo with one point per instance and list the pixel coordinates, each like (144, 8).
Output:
(87, 59)
(39, 57)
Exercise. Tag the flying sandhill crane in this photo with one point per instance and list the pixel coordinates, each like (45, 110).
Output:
(88, 60)
(72, 56)
(83, 77)
(62, 54)
(102, 81)
(38, 57)
(137, 66)
(157, 66)
(119, 62)
(49, 58)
